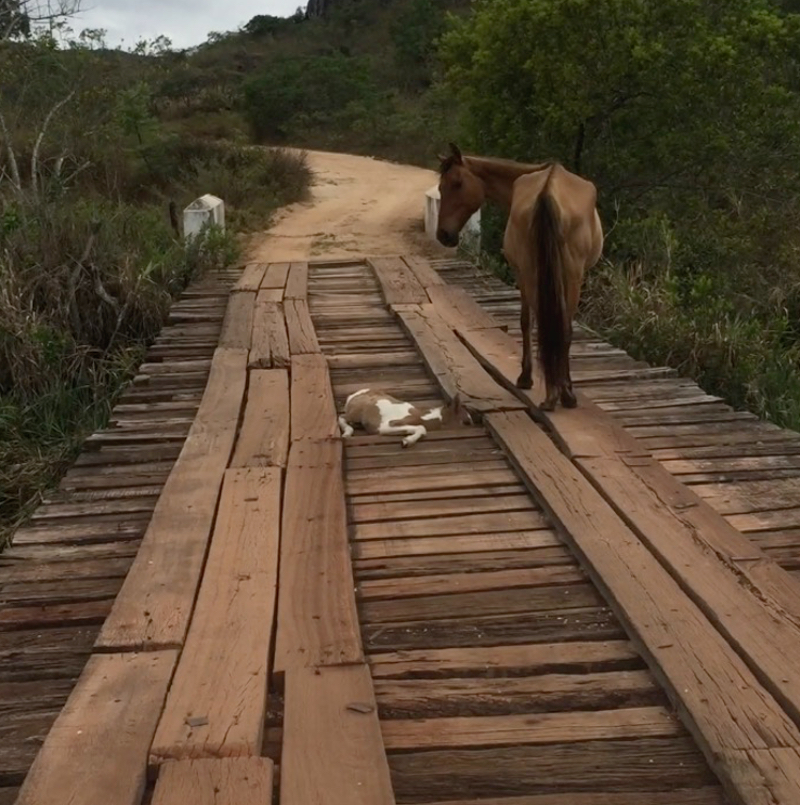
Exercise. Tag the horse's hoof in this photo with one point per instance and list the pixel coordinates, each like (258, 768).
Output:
(524, 382)
(549, 404)
(568, 399)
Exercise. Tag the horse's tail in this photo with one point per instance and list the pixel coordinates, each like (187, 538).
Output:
(551, 314)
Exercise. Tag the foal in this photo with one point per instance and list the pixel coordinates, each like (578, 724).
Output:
(552, 238)
(380, 413)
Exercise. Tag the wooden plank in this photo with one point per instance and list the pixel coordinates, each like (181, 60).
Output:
(96, 752)
(587, 433)
(398, 283)
(492, 661)
(313, 411)
(238, 323)
(217, 702)
(275, 276)
(154, 605)
(487, 525)
(300, 327)
(251, 278)
(237, 781)
(457, 307)
(451, 363)
(317, 619)
(270, 343)
(297, 281)
(529, 729)
(264, 436)
(708, 795)
(425, 273)
(332, 746)
(719, 698)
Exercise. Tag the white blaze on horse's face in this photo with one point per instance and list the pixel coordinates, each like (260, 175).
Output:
(461, 195)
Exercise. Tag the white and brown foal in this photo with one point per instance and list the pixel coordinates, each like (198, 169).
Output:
(380, 413)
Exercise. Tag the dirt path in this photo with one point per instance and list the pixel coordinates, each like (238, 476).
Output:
(359, 206)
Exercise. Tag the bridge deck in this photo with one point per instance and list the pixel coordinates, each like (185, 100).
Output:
(582, 608)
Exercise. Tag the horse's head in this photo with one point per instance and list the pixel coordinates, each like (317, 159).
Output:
(461, 193)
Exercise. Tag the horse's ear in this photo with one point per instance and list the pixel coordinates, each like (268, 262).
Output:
(442, 158)
(456, 152)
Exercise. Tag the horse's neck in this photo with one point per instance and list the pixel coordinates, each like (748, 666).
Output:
(498, 176)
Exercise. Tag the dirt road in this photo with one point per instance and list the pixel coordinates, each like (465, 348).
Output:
(358, 206)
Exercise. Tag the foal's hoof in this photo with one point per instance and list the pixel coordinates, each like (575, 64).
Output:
(549, 404)
(524, 382)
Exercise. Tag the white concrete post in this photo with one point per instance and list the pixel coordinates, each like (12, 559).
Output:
(203, 212)
(470, 234)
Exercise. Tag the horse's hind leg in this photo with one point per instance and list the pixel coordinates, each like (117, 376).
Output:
(568, 398)
(525, 380)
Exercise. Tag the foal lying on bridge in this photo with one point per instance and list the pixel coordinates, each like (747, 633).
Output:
(553, 237)
(380, 413)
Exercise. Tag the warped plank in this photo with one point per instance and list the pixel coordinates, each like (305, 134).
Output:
(398, 283)
(217, 702)
(313, 410)
(425, 273)
(96, 752)
(721, 701)
(456, 307)
(317, 619)
(251, 278)
(275, 276)
(529, 729)
(302, 336)
(297, 282)
(233, 781)
(154, 605)
(542, 658)
(264, 436)
(270, 343)
(452, 364)
(332, 746)
(238, 323)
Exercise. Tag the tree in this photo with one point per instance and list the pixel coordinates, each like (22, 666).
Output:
(414, 34)
(20, 18)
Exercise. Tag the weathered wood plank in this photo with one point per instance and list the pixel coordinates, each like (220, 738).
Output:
(317, 619)
(332, 746)
(297, 281)
(96, 752)
(270, 343)
(719, 698)
(275, 276)
(300, 328)
(237, 326)
(398, 283)
(313, 411)
(251, 277)
(425, 273)
(264, 436)
(230, 781)
(154, 605)
(217, 702)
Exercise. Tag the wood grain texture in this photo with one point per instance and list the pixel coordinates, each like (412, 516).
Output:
(276, 276)
(217, 702)
(313, 410)
(263, 439)
(251, 277)
(425, 273)
(270, 343)
(154, 605)
(332, 747)
(300, 328)
(398, 283)
(317, 619)
(96, 752)
(229, 781)
(719, 698)
(297, 281)
(237, 326)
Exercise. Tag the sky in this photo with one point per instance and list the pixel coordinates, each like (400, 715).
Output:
(185, 22)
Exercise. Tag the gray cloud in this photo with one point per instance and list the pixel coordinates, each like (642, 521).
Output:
(185, 22)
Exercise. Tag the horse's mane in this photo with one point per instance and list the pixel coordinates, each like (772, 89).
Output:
(500, 162)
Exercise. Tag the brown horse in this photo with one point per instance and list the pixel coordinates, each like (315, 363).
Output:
(553, 237)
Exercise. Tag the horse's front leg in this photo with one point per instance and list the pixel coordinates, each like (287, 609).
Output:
(525, 380)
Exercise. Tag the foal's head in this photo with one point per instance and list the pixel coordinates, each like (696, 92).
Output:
(455, 414)
(462, 194)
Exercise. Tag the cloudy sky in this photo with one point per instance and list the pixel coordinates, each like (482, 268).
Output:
(185, 22)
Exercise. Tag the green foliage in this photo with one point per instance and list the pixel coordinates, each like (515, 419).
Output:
(414, 34)
(683, 112)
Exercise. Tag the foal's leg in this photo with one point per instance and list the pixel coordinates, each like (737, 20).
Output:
(413, 433)
(345, 427)
(525, 380)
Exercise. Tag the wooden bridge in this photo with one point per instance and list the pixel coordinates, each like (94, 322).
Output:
(226, 604)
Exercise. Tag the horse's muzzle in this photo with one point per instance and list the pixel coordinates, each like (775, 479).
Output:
(446, 239)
